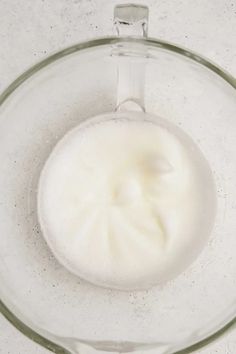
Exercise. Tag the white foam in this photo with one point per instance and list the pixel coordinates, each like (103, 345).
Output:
(126, 200)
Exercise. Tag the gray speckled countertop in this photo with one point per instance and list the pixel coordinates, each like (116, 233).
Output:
(32, 29)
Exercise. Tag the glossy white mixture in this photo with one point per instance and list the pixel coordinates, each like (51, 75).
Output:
(126, 201)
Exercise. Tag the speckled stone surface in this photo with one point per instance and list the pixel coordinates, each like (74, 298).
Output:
(33, 29)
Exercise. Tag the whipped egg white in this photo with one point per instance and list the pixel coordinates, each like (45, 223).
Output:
(126, 201)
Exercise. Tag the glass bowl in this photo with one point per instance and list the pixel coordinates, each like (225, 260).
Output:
(40, 297)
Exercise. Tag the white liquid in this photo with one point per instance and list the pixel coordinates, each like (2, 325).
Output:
(126, 201)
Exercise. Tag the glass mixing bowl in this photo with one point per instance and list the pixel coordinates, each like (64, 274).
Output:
(40, 297)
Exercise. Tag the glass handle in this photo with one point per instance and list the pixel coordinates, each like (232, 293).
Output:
(131, 20)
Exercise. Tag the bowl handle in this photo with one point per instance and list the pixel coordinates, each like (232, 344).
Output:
(131, 20)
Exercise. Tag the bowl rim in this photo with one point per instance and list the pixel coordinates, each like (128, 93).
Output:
(35, 335)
